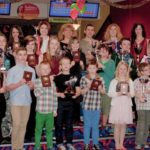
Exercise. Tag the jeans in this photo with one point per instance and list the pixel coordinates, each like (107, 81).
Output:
(20, 116)
(64, 117)
(91, 122)
(143, 125)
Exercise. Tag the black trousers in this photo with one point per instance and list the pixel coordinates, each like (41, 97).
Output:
(2, 112)
(64, 119)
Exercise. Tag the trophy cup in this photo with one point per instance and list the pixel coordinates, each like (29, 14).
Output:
(46, 81)
(70, 91)
(95, 84)
(123, 87)
(76, 56)
(2, 67)
(144, 81)
(27, 75)
(138, 50)
(31, 60)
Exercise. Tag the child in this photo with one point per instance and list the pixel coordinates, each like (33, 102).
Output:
(91, 104)
(107, 66)
(121, 90)
(20, 98)
(68, 89)
(46, 107)
(142, 97)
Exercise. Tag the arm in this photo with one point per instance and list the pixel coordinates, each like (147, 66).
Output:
(112, 89)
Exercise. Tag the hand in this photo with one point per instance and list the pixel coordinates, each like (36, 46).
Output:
(73, 63)
(54, 113)
(2, 90)
(30, 84)
(81, 63)
(100, 65)
(22, 82)
(62, 95)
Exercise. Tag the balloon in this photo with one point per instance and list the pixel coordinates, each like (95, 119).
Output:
(80, 4)
(74, 14)
(83, 10)
(74, 5)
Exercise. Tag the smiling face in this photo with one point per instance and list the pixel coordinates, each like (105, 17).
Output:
(113, 31)
(45, 69)
(125, 46)
(89, 31)
(92, 69)
(75, 45)
(138, 30)
(15, 34)
(65, 64)
(44, 30)
(122, 71)
(53, 46)
(68, 33)
(21, 56)
(30, 47)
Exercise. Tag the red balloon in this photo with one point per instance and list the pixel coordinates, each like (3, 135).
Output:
(74, 14)
(80, 3)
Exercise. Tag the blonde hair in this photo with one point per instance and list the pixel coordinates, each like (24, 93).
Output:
(62, 29)
(107, 32)
(117, 70)
(48, 54)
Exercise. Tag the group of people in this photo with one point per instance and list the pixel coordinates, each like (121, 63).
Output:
(57, 76)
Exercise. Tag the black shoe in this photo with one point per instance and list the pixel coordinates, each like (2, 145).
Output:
(95, 147)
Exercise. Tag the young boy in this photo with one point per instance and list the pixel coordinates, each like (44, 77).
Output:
(126, 56)
(92, 85)
(142, 97)
(20, 98)
(46, 106)
(68, 89)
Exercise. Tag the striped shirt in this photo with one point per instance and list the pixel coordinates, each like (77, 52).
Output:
(46, 97)
(92, 98)
(138, 89)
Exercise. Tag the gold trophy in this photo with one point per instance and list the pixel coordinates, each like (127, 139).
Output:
(123, 87)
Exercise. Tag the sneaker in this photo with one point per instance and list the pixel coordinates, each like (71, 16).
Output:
(138, 147)
(146, 146)
(95, 147)
(61, 147)
(70, 147)
(86, 147)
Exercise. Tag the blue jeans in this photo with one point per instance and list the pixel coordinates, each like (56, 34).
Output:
(91, 122)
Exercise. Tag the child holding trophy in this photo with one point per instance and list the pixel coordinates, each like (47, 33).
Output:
(142, 97)
(46, 106)
(92, 85)
(121, 90)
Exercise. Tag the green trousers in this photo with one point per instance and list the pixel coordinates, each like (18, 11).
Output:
(47, 121)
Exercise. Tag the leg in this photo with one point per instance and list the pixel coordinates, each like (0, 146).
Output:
(87, 126)
(40, 120)
(25, 112)
(69, 124)
(140, 128)
(16, 116)
(58, 127)
(95, 126)
(117, 136)
(122, 134)
(49, 129)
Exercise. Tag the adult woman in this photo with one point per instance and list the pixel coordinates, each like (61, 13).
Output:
(43, 38)
(139, 43)
(65, 33)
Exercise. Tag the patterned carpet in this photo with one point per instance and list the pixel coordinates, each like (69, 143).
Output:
(106, 141)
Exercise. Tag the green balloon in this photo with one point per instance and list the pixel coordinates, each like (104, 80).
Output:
(74, 5)
(83, 10)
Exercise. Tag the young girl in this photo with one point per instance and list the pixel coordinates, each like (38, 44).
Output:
(52, 55)
(91, 88)
(107, 71)
(30, 45)
(121, 90)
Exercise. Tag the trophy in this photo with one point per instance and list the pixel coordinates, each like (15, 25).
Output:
(138, 50)
(69, 91)
(31, 59)
(144, 81)
(2, 67)
(27, 75)
(46, 81)
(95, 84)
(76, 56)
(123, 87)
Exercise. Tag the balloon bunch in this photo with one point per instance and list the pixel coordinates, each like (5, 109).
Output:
(77, 8)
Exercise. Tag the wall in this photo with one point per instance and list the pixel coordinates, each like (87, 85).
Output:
(126, 18)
